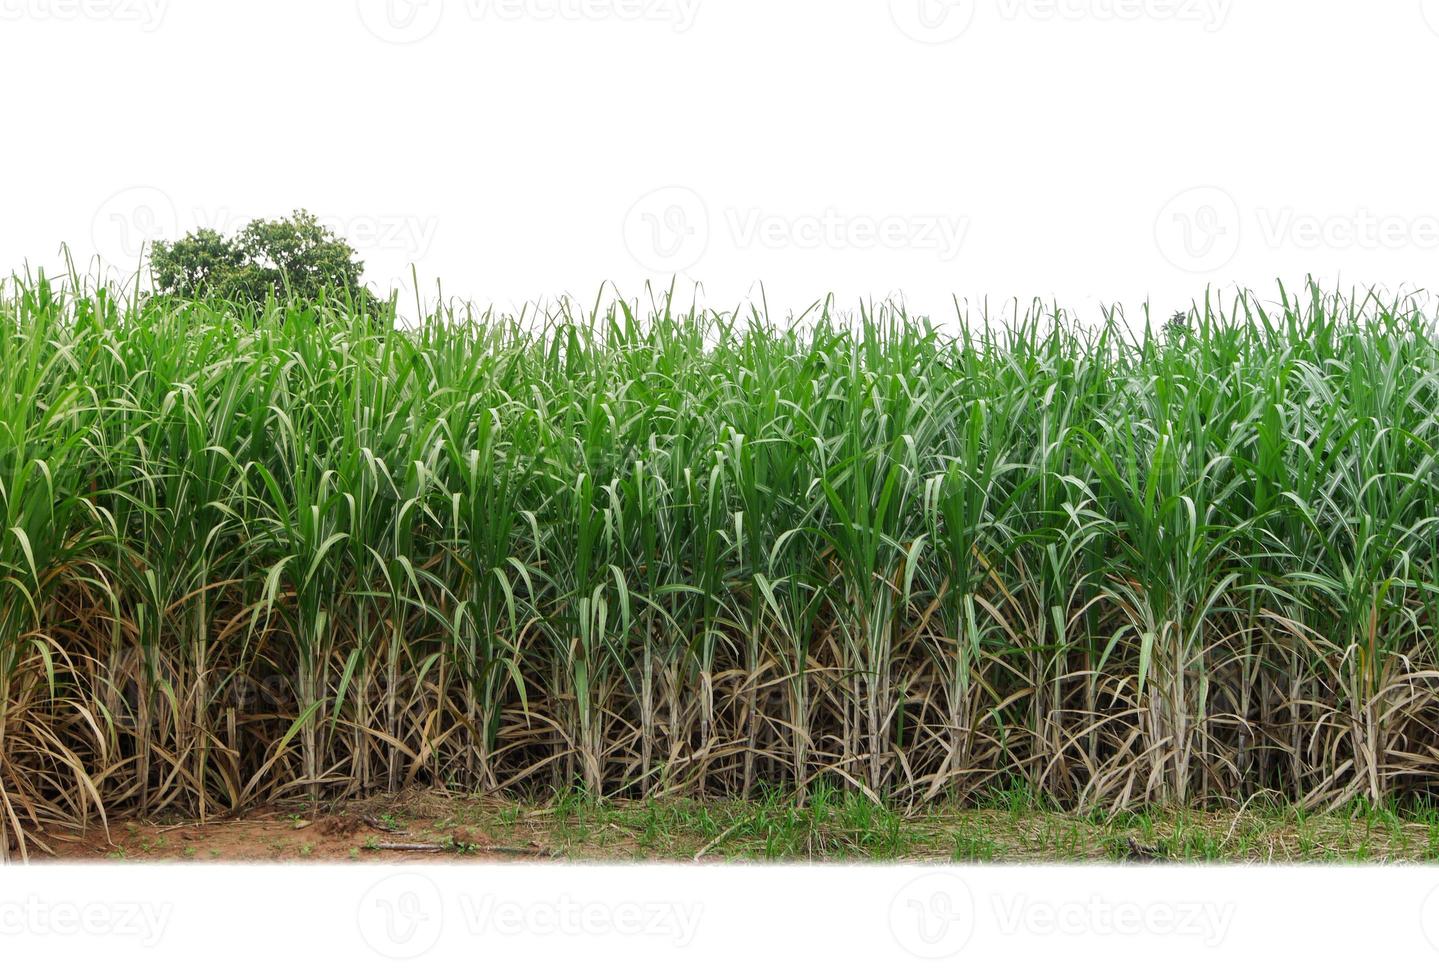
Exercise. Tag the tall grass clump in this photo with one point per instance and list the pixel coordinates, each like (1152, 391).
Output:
(298, 551)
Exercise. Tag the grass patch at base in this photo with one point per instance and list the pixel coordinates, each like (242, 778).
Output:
(828, 827)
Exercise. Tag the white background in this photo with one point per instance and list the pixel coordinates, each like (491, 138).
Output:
(1088, 151)
(518, 150)
(480, 920)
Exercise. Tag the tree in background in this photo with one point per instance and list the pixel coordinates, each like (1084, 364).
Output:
(294, 259)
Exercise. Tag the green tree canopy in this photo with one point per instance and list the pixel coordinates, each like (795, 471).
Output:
(294, 258)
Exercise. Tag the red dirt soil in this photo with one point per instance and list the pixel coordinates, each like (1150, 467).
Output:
(273, 837)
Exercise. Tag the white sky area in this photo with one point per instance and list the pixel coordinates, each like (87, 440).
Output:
(1085, 151)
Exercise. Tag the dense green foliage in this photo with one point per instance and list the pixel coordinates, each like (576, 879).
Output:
(309, 553)
(295, 260)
